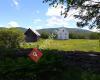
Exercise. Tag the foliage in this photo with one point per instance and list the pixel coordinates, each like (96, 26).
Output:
(92, 35)
(95, 35)
(66, 45)
(52, 36)
(92, 8)
(53, 65)
(77, 36)
(10, 38)
(45, 35)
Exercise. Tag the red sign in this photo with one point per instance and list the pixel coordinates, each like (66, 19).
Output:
(35, 54)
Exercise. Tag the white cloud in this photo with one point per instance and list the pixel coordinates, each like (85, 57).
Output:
(55, 18)
(57, 21)
(12, 24)
(15, 3)
(52, 11)
(95, 30)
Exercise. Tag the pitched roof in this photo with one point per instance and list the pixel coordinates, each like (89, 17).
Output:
(34, 31)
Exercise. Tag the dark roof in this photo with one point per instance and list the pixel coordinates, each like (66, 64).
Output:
(30, 31)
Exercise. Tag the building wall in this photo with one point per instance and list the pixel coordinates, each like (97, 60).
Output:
(29, 38)
(62, 34)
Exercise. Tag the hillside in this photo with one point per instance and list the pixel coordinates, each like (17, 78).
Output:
(71, 30)
(51, 30)
(20, 28)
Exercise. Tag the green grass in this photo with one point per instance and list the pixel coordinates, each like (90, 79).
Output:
(65, 45)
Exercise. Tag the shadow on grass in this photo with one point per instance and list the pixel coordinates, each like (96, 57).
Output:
(53, 65)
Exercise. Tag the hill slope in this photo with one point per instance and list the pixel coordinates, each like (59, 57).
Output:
(71, 30)
(51, 30)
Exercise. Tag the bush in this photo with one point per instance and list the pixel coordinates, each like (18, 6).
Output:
(10, 38)
(45, 35)
(95, 35)
(77, 36)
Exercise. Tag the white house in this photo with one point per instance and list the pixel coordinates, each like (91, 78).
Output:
(62, 33)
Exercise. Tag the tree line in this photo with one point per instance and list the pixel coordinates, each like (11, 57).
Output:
(92, 35)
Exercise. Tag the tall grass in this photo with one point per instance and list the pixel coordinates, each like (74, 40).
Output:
(65, 45)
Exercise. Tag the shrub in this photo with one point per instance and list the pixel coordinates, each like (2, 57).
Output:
(77, 36)
(45, 35)
(95, 35)
(11, 38)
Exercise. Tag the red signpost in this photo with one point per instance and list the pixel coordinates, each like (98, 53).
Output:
(35, 54)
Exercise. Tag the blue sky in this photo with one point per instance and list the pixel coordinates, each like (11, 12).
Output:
(33, 14)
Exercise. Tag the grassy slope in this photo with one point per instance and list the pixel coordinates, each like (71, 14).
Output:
(66, 45)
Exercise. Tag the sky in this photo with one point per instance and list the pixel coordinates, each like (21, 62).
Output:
(33, 14)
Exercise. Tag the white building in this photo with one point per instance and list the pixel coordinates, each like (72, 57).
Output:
(62, 33)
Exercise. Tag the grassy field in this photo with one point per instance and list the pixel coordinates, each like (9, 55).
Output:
(65, 45)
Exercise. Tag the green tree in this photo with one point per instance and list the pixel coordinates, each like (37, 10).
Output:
(45, 35)
(91, 7)
(94, 35)
(77, 36)
(11, 38)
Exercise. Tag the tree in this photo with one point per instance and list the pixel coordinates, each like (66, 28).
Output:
(91, 7)
(10, 38)
(94, 36)
(45, 35)
(77, 36)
